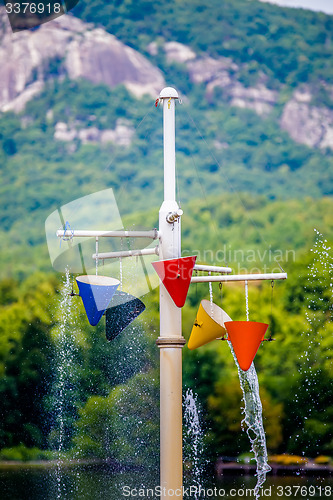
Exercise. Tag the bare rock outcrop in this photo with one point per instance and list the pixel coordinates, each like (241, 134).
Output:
(308, 124)
(222, 73)
(178, 52)
(122, 134)
(208, 70)
(79, 49)
(68, 47)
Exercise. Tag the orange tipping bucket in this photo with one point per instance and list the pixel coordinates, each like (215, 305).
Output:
(245, 337)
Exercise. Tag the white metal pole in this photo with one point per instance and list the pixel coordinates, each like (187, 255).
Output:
(170, 341)
(168, 96)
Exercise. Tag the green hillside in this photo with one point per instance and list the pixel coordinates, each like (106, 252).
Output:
(220, 148)
(39, 174)
(246, 231)
(290, 46)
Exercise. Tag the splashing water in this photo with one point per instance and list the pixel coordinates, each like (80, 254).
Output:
(211, 299)
(96, 251)
(121, 273)
(319, 294)
(193, 439)
(121, 266)
(62, 397)
(253, 413)
(320, 271)
(253, 421)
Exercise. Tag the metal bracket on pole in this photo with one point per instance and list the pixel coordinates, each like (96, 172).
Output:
(174, 216)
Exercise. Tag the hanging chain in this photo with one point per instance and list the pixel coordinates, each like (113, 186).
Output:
(271, 326)
(221, 290)
(72, 293)
(96, 255)
(247, 300)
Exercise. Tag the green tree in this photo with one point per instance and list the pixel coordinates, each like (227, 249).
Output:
(124, 425)
(25, 361)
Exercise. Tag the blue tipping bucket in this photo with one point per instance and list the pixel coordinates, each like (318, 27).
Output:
(96, 293)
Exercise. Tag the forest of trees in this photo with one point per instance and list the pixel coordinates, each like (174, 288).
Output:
(292, 49)
(45, 341)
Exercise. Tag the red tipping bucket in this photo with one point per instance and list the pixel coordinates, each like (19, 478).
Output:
(245, 337)
(176, 275)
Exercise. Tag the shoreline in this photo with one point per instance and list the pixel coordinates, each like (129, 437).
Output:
(48, 464)
(221, 468)
(308, 469)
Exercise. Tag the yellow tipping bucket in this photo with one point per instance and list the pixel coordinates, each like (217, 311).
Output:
(208, 325)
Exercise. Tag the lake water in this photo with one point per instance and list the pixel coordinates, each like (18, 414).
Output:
(96, 484)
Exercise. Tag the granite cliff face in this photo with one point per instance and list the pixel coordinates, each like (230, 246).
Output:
(222, 73)
(305, 122)
(71, 48)
(308, 124)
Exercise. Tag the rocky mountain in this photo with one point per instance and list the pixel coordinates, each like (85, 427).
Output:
(222, 73)
(69, 47)
(305, 122)
(308, 124)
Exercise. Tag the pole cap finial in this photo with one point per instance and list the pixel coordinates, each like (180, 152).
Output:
(168, 92)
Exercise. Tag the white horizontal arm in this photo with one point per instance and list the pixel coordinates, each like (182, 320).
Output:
(153, 234)
(239, 277)
(213, 269)
(126, 253)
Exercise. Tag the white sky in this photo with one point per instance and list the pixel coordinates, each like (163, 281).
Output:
(322, 5)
